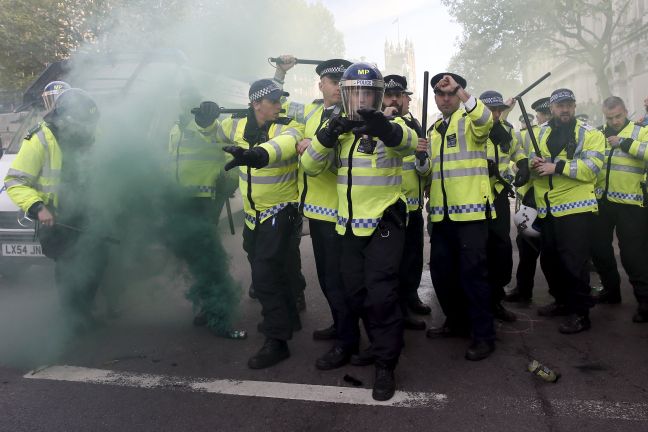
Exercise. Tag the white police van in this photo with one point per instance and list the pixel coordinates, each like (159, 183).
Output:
(106, 78)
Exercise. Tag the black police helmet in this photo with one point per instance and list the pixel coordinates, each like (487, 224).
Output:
(362, 87)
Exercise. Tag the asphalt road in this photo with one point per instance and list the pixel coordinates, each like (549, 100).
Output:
(149, 369)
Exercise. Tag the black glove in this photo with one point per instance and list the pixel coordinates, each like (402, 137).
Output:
(377, 125)
(501, 137)
(335, 127)
(256, 157)
(206, 113)
(492, 168)
(523, 174)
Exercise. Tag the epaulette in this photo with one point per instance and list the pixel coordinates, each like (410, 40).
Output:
(587, 127)
(239, 115)
(318, 101)
(283, 120)
(32, 131)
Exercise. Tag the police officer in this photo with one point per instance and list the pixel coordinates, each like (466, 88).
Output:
(461, 201)
(369, 151)
(265, 151)
(620, 199)
(396, 103)
(318, 196)
(566, 171)
(197, 161)
(501, 149)
(528, 247)
(197, 157)
(523, 125)
(48, 181)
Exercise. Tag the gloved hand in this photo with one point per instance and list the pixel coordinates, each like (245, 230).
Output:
(523, 173)
(492, 168)
(336, 126)
(500, 136)
(256, 157)
(377, 125)
(206, 113)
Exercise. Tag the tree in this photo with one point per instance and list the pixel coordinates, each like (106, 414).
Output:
(586, 31)
(236, 37)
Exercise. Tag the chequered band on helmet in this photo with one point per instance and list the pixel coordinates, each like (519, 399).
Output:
(265, 91)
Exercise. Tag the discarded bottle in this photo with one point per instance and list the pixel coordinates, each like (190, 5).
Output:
(537, 368)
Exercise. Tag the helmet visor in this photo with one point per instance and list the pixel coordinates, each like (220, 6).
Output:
(355, 97)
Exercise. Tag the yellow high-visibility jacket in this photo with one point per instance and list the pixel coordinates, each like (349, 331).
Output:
(460, 185)
(620, 178)
(267, 190)
(369, 177)
(35, 173)
(197, 158)
(572, 191)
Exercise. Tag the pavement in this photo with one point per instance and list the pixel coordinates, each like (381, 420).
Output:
(148, 369)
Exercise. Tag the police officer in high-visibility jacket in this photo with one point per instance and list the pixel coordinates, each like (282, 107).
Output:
(528, 248)
(318, 196)
(48, 180)
(396, 103)
(265, 151)
(197, 157)
(368, 151)
(461, 201)
(565, 175)
(620, 199)
(502, 148)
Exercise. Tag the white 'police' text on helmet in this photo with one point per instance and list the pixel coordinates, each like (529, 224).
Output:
(362, 87)
(526, 221)
(52, 91)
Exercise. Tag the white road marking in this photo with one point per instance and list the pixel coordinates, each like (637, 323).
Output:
(276, 390)
(574, 408)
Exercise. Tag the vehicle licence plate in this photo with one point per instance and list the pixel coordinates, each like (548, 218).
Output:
(22, 250)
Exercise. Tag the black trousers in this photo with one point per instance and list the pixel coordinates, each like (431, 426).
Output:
(459, 270)
(273, 252)
(499, 249)
(529, 251)
(326, 249)
(632, 231)
(369, 269)
(411, 266)
(564, 259)
(78, 272)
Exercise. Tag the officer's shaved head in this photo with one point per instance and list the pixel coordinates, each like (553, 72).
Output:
(613, 102)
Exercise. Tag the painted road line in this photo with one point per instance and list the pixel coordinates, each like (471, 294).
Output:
(264, 389)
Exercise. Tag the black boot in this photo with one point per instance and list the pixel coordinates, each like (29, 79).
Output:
(417, 306)
(200, 320)
(272, 352)
(479, 350)
(335, 358)
(446, 331)
(516, 296)
(364, 358)
(642, 314)
(327, 333)
(553, 309)
(503, 314)
(413, 324)
(609, 297)
(575, 323)
(384, 384)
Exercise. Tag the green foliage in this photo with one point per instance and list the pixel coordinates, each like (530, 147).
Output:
(500, 33)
